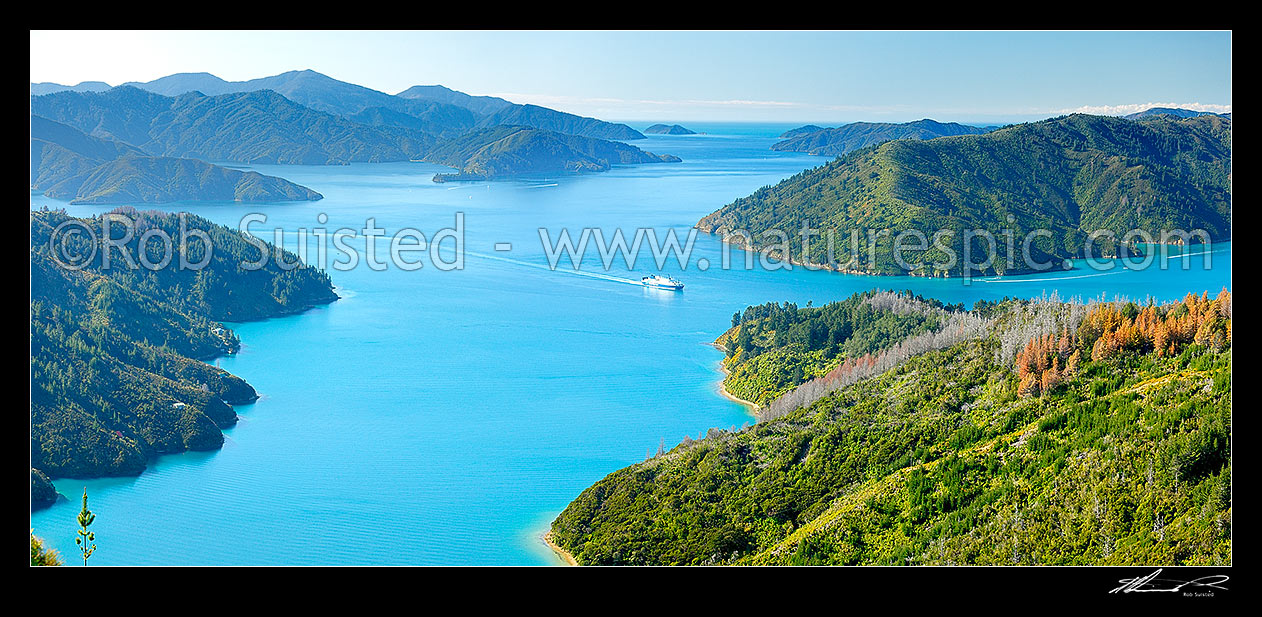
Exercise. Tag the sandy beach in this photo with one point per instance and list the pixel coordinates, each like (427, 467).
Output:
(723, 390)
(562, 553)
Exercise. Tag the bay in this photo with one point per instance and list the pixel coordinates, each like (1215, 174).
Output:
(445, 417)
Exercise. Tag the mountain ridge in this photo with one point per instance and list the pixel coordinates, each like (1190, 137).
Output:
(323, 93)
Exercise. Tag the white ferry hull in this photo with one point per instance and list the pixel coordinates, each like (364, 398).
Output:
(662, 282)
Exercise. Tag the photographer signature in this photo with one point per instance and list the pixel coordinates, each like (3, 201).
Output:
(1152, 583)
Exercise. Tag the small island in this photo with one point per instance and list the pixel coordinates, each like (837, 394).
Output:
(665, 129)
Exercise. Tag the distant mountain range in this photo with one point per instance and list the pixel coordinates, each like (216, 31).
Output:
(49, 87)
(849, 137)
(1071, 175)
(448, 110)
(485, 105)
(247, 127)
(1172, 111)
(304, 117)
(69, 164)
(668, 129)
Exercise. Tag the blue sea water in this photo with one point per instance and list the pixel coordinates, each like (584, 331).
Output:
(446, 417)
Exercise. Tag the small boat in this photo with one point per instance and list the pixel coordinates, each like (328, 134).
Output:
(661, 282)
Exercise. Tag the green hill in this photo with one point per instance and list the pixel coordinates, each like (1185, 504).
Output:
(850, 137)
(1071, 175)
(1061, 435)
(773, 348)
(116, 354)
(165, 179)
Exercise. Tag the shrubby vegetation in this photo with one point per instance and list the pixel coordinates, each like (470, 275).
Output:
(943, 459)
(1071, 175)
(116, 370)
(773, 347)
(41, 556)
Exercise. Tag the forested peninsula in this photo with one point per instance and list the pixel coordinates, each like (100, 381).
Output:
(70, 165)
(1056, 181)
(118, 371)
(906, 432)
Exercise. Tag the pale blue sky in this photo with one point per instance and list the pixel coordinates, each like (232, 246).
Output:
(688, 76)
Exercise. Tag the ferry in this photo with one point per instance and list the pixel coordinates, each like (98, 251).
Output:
(661, 282)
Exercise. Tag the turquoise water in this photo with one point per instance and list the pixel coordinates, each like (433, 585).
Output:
(434, 417)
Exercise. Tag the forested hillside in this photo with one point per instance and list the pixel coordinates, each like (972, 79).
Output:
(772, 348)
(850, 137)
(116, 353)
(1121, 454)
(1070, 176)
(71, 165)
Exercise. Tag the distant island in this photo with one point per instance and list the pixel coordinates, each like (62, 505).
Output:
(117, 355)
(820, 141)
(1069, 175)
(664, 129)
